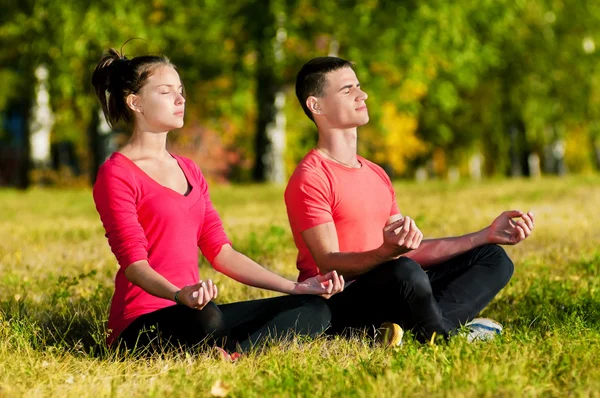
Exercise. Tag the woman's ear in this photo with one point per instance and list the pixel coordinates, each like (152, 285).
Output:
(134, 103)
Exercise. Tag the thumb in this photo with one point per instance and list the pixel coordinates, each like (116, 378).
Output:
(394, 224)
(513, 213)
(328, 276)
(193, 288)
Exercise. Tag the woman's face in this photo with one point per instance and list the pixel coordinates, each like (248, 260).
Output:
(159, 105)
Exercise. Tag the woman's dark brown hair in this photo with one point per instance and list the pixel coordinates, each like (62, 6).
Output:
(116, 76)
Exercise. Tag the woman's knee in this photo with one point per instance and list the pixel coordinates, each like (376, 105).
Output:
(210, 321)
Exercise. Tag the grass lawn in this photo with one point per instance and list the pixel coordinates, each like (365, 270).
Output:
(56, 278)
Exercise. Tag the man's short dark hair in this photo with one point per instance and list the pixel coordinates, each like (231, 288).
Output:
(311, 79)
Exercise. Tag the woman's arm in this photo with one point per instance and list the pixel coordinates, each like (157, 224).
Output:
(246, 271)
(195, 296)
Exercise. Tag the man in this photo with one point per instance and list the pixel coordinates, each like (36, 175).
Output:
(343, 214)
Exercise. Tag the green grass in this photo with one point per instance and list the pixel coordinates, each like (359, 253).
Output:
(56, 278)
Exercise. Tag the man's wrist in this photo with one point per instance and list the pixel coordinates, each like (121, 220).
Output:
(481, 238)
(385, 254)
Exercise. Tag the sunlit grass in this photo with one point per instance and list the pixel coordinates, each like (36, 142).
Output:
(56, 274)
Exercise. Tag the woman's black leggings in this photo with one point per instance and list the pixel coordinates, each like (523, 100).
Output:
(438, 300)
(237, 326)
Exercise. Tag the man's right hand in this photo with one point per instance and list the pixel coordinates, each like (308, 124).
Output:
(399, 237)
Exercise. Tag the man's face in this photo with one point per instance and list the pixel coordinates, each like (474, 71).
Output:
(343, 103)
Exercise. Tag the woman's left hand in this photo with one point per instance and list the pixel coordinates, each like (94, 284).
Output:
(323, 285)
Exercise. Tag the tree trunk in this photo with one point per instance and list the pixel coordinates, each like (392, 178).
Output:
(516, 169)
(41, 122)
(270, 98)
(266, 92)
(102, 143)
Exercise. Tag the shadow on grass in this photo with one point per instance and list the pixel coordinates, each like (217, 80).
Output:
(67, 324)
(548, 305)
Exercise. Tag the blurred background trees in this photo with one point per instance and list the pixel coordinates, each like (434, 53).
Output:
(456, 88)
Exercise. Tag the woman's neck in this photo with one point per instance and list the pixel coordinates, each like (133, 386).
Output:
(147, 145)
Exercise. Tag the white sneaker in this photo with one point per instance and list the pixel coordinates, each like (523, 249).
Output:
(482, 329)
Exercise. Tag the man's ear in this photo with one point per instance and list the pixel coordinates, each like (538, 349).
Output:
(313, 105)
(134, 103)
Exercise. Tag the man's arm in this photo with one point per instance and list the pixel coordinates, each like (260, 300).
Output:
(504, 230)
(400, 237)
(436, 251)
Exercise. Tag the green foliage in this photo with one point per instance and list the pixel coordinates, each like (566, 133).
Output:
(457, 75)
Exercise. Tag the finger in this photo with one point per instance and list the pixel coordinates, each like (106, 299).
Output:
(343, 283)
(393, 225)
(336, 283)
(416, 240)
(528, 220)
(216, 291)
(403, 226)
(207, 295)
(410, 239)
(530, 214)
(525, 228)
(191, 299)
(326, 277)
(520, 235)
(407, 223)
(199, 298)
(419, 240)
(330, 287)
(404, 230)
(211, 288)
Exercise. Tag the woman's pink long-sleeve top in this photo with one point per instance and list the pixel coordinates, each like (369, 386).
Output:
(147, 221)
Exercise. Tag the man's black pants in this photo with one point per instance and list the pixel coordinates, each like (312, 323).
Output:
(439, 300)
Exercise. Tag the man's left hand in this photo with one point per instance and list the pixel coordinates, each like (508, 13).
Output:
(508, 229)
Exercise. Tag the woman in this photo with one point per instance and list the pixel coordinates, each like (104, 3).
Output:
(156, 211)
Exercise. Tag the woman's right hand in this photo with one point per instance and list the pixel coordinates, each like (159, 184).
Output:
(198, 295)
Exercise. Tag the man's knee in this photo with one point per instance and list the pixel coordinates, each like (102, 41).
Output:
(317, 309)
(406, 272)
(500, 261)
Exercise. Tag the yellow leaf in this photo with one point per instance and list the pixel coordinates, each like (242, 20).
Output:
(219, 389)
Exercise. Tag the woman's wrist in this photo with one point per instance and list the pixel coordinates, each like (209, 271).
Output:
(176, 298)
(293, 287)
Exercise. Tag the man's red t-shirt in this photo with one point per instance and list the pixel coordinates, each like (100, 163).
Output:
(358, 201)
(147, 221)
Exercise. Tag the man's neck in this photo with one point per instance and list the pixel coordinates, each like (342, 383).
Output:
(339, 144)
